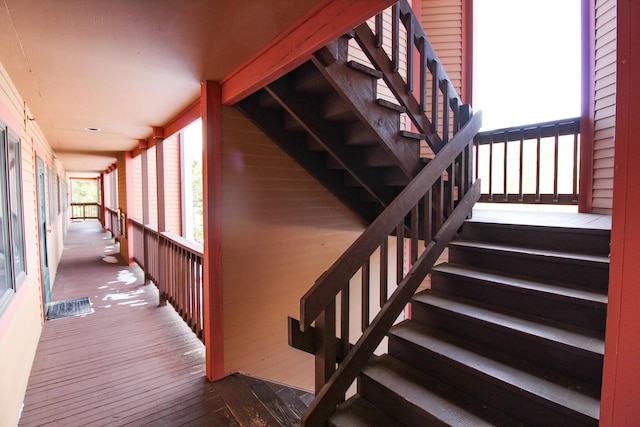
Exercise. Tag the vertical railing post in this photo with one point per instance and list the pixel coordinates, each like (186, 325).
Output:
(325, 358)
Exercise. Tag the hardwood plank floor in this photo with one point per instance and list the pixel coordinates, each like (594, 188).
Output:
(131, 362)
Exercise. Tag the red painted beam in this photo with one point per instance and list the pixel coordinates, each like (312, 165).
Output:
(324, 23)
(212, 201)
(621, 377)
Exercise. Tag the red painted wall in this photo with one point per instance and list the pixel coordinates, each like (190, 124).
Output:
(621, 381)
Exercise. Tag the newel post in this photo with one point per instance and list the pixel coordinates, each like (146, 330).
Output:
(325, 357)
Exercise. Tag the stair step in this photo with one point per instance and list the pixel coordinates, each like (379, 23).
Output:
(358, 66)
(539, 397)
(359, 412)
(268, 101)
(334, 108)
(394, 177)
(548, 346)
(554, 301)
(416, 399)
(357, 133)
(582, 270)
(308, 79)
(377, 157)
(291, 124)
(413, 135)
(391, 106)
(576, 240)
(312, 144)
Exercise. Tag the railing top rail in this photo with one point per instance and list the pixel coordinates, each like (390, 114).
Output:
(530, 131)
(333, 280)
(189, 245)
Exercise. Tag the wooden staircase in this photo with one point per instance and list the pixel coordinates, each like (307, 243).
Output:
(510, 333)
(327, 115)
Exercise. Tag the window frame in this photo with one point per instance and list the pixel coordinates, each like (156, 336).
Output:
(12, 208)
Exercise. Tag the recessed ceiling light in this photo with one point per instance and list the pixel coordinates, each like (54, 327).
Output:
(91, 129)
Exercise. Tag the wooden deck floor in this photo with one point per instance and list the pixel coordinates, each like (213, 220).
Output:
(131, 362)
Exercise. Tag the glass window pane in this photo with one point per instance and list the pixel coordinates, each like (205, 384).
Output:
(5, 250)
(15, 191)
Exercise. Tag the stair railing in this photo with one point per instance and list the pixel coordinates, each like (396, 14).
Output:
(432, 208)
(436, 95)
(535, 163)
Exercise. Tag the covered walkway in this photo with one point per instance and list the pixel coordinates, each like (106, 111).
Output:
(130, 362)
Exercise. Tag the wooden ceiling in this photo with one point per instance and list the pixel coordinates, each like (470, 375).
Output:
(125, 66)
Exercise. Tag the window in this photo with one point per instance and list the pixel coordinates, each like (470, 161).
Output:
(12, 252)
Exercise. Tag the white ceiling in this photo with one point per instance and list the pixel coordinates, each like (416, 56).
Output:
(125, 66)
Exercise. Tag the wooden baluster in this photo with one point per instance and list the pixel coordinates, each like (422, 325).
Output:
(400, 252)
(415, 220)
(344, 320)
(366, 295)
(422, 50)
(520, 189)
(455, 107)
(384, 271)
(435, 93)
(438, 204)
(410, 49)
(555, 163)
(379, 36)
(395, 37)
(325, 356)
(199, 302)
(444, 88)
(427, 217)
(504, 175)
(451, 189)
(538, 162)
(575, 166)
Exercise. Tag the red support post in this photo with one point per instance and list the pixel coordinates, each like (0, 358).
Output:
(211, 98)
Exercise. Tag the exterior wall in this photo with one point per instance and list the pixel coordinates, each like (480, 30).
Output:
(281, 230)
(172, 194)
(605, 105)
(21, 322)
(442, 21)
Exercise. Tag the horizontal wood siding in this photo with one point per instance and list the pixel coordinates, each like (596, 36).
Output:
(442, 22)
(605, 105)
(281, 230)
(172, 184)
(20, 321)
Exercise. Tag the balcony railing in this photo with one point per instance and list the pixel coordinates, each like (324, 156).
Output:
(85, 210)
(112, 223)
(174, 264)
(537, 163)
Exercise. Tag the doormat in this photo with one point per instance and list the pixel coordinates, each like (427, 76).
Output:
(68, 308)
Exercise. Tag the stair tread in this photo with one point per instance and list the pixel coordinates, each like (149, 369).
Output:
(575, 257)
(483, 366)
(359, 412)
(547, 332)
(523, 283)
(446, 404)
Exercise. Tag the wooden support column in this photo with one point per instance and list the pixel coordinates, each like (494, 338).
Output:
(126, 204)
(587, 114)
(103, 207)
(211, 98)
(144, 160)
(158, 137)
(621, 376)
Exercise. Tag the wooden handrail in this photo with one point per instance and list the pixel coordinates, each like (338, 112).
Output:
(333, 281)
(436, 197)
